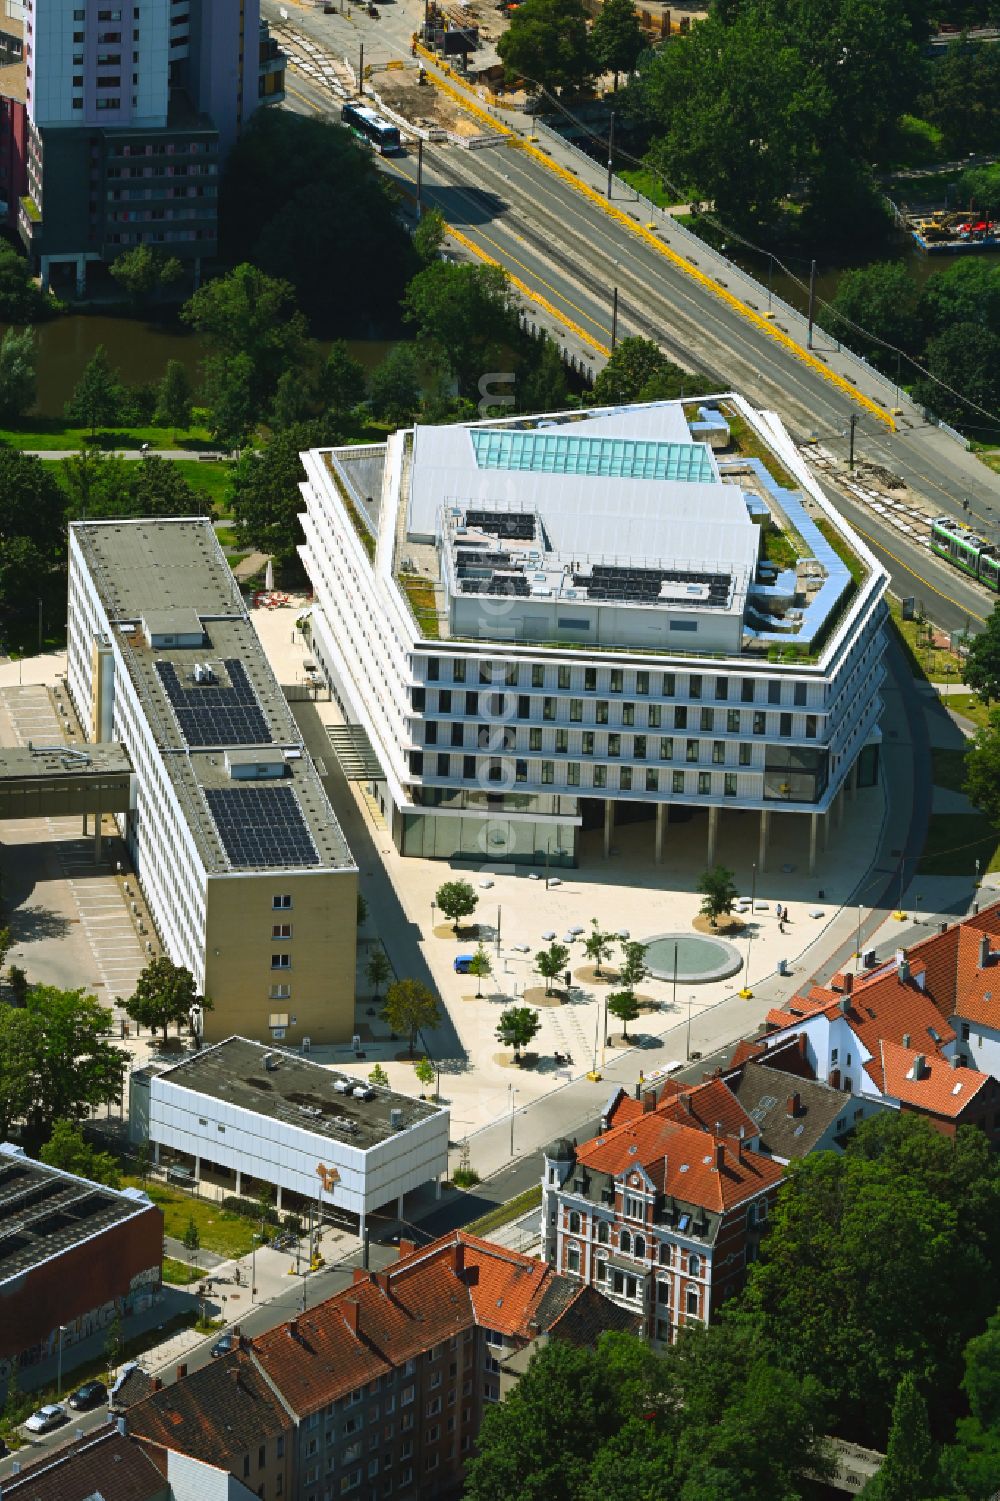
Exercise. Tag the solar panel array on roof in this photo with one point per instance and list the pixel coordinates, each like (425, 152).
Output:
(548, 452)
(261, 826)
(513, 526)
(210, 714)
(642, 585)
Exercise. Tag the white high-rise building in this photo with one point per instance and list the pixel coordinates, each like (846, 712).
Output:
(542, 621)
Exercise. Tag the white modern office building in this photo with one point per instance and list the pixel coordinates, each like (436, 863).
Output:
(271, 1116)
(235, 845)
(544, 624)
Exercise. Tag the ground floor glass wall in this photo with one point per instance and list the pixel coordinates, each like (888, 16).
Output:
(512, 841)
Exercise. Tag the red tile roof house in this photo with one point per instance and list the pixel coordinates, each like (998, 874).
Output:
(663, 1210)
(920, 1033)
(388, 1380)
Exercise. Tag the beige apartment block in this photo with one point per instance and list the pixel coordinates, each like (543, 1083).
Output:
(244, 867)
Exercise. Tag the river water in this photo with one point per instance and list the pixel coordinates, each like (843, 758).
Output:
(139, 350)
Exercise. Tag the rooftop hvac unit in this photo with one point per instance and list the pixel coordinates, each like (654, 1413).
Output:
(356, 1041)
(128, 889)
(306, 1044)
(396, 1119)
(270, 1062)
(135, 907)
(341, 1085)
(362, 1092)
(149, 948)
(142, 926)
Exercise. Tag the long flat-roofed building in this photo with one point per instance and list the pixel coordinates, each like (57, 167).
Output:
(542, 622)
(281, 1119)
(74, 1254)
(245, 869)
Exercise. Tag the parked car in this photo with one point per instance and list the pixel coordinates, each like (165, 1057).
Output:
(462, 964)
(223, 1346)
(91, 1394)
(47, 1417)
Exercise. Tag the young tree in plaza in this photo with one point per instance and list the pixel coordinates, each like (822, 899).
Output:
(982, 769)
(624, 1005)
(164, 993)
(551, 963)
(377, 1075)
(174, 397)
(719, 895)
(424, 1071)
(517, 1027)
(98, 394)
(410, 1006)
(616, 38)
(377, 971)
(599, 945)
(633, 969)
(481, 967)
(455, 900)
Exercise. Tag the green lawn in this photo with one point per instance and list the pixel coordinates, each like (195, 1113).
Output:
(43, 433)
(955, 842)
(209, 478)
(932, 663)
(948, 769)
(970, 707)
(227, 1234)
(914, 143)
(180, 1273)
(531, 1198)
(648, 184)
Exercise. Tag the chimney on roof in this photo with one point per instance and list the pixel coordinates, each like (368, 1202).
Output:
(407, 1247)
(845, 1004)
(794, 1104)
(803, 1043)
(956, 1060)
(942, 927)
(718, 1128)
(234, 1375)
(182, 1371)
(457, 1258)
(351, 1309)
(848, 982)
(686, 1097)
(906, 1039)
(720, 1156)
(984, 951)
(293, 1328)
(361, 1274)
(902, 965)
(382, 1282)
(917, 1071)
(649, 1101)
(156, 1384)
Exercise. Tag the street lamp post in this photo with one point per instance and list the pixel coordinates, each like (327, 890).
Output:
(512, 1092)
(62, 1331)
(687, 1052)
(253, 1266)
(433, 910)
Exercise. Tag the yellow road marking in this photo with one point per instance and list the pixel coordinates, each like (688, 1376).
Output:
(918, 576)
(308, 102)
(456, 234)
(708, 282)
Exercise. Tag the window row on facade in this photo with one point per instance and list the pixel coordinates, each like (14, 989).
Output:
(507, 707)
(641, 682)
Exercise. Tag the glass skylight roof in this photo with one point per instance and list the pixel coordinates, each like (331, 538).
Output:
(547, 452)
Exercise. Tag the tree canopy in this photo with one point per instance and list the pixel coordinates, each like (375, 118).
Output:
(67, 1149)
(982, 663)
(18, 360)
(56, 1061)
(264, 486)
(328, 222)
(463, 313)
(455, 900)
(165, 992)
(547, 44)
(409, 1007)
(639, 371)
(616, 38)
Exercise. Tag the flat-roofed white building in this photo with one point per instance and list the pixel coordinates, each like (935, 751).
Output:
(542, 620)
(278, 1118)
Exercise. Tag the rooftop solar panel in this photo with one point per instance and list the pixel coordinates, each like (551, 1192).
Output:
(212, 714)
(261, 826)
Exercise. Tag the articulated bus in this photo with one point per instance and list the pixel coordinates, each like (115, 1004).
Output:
(964, 550)
(369, 127)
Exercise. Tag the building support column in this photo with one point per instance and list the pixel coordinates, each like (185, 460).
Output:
(97, 838)
(813, 831)
(713, 833)
(852, 781)
(762, 839)
(239, 1183)
(838, 807)
(399, 1208)
(609, 826)
(662, 814)
(156, 1154)
(437, 1186)
(81, 276)
(197, 1169)
(824, 830)
(277, 1199)
(45, 270)
(86, 830)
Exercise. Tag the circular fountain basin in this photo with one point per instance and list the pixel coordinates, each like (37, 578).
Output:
(700, 958)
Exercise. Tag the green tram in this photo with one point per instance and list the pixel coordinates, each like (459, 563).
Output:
(967, 551)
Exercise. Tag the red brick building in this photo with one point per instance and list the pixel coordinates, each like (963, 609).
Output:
(76, 1254)
(388, 1381)
(13, 120)
(663, 1211)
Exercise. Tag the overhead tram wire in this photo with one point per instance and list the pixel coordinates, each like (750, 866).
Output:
(605, 143)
